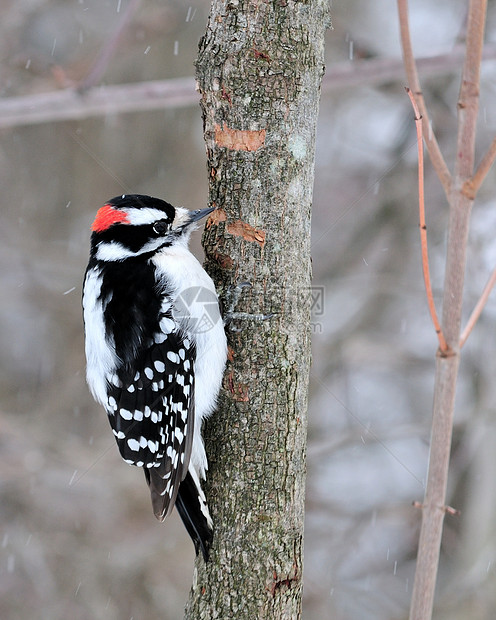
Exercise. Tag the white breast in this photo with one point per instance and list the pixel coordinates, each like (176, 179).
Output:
(195, 306)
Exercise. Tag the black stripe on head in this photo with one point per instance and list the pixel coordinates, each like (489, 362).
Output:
(131, 234)
(140, 201)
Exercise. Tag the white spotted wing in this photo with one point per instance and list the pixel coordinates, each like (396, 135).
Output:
(151, 411)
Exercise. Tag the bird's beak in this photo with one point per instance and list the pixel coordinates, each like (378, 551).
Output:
(197, 215)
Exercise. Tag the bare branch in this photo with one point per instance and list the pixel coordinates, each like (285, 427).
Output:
(423, 228)
(447, 365)
(380, 70)
(64, 105)
(435, 154)
(100, 66)
(70, 105)
(474, 317)
(468, 101)
(471, 186)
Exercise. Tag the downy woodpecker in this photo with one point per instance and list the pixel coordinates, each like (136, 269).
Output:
(155, 348)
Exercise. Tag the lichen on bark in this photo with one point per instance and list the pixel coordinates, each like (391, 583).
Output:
(259, 70)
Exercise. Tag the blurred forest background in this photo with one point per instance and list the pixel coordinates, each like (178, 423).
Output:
(77, 535)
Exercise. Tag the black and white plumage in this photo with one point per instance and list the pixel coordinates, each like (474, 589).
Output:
(155, 348)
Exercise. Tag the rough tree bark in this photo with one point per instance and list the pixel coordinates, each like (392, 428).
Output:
(259, 70)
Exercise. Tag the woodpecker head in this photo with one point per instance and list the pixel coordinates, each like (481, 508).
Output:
(132, 225)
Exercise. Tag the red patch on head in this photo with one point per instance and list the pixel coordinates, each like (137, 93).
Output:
(108, 215)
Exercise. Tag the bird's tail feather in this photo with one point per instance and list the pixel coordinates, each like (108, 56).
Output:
(192, 508)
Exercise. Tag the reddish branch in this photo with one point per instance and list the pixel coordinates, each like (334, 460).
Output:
(466, 138)
(435, 154)
(423, 228)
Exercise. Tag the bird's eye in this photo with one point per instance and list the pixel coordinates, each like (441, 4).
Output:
(160, 227)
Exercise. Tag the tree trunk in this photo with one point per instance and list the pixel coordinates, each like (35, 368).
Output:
(259, 71)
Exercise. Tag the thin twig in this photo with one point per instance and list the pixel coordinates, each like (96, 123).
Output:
(468, 100)
(471, 186)
(99, 67)
(435, 154)
(423, 228)
(474, 317)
